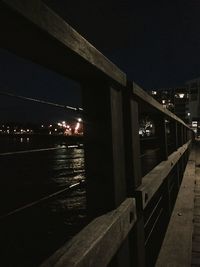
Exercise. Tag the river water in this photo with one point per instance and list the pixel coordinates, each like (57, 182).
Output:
(31, 169)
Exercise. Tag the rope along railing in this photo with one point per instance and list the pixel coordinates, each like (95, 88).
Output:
(115, 169)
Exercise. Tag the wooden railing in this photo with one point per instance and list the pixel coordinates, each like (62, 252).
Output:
(130, 196)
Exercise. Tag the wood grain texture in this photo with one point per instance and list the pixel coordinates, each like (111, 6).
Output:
(43, 19)
(97, 243)
(153, 180)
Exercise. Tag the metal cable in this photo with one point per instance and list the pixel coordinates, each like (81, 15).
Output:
(66, 107)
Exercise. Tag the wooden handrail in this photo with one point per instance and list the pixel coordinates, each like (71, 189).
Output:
(98, 242)
(153, 180)
(83, 55)
(112, 145)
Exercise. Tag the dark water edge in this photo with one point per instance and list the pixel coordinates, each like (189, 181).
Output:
(33, 234)
(19, 142)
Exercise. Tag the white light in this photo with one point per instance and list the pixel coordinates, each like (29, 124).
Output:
(56, 130)
(77, 126)
(194, 123)
(188, 114)
(163, 101)
(153, 92)
(79, 119)
(181, 95)
(42, 126)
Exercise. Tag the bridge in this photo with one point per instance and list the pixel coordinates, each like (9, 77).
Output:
(132, 181)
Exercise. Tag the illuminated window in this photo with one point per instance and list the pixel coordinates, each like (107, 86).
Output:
(194, 123)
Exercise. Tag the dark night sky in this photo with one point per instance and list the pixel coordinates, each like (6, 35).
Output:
(157, 43)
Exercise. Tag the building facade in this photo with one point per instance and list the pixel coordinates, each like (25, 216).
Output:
(183, 101)
(174, 99)
(194, 104)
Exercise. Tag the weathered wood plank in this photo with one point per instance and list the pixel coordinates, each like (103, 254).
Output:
(153, 180)
(177, 246)
(104, 148)
(97, 243)
(63, 44)
(132, 141)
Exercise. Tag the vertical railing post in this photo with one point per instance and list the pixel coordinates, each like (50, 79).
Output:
(182, 134)
(132, 141)
(179, 135)
(104, 153)
(185, 134)
(176, 134)
(161, 133)
(133, 173)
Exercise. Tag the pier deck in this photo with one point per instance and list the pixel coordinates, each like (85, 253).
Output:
(181, 246)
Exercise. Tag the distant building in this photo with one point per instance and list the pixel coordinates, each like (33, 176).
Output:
(194, 104)
(183, 101)
(174, 99)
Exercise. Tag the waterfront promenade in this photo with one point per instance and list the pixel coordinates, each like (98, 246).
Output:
(181, 246)
(132, 181)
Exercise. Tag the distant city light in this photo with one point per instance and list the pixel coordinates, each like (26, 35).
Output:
(194, 123)
(153, 92)
(58, 128)
(77, 126)
(181, 95)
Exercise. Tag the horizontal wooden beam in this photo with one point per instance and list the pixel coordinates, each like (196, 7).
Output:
(144, 96)
(98, 242)
(32, 30)
(154, 179)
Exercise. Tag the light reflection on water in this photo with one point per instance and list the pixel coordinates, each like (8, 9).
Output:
(28, 177)
(68, 166)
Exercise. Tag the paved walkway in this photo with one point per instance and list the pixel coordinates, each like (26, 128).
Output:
(181, 246)
(196, 220)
